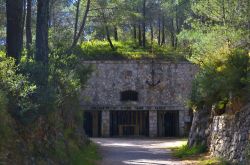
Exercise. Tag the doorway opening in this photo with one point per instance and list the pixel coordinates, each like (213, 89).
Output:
(129, 123)
(92, 123)
(168, 123)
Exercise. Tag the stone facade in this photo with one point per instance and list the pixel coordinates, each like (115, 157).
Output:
(230, 136)
(110, 78)
(152, 123)
(105, 124)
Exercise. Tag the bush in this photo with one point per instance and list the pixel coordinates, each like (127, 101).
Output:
(185, 151)
(44, 110)
(222, 80)
(214, 161)
(16, 87)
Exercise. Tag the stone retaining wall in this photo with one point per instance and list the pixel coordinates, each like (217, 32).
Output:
(230, 136)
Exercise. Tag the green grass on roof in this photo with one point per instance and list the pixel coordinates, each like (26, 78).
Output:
(100, 50)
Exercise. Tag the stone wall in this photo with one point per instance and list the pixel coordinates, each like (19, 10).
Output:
(105, 123)
(152, 123)
(230, 136)
(109, 78)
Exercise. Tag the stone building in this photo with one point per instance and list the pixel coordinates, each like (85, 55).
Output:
(138, 98)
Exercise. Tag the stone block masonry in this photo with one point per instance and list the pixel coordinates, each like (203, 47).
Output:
(105, 123)
(110, 79)
(152, 123)
(230, 136)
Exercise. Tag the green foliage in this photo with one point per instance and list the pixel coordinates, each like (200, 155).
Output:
(83, 156)
(3, 100)
(16, 86)
(65, 78)
(185, 151)
(205, 40)
(222, 79)
(45, 102)
(75, 154)
(5, 126)
(217, 38)
(100, 50)
(214, 161)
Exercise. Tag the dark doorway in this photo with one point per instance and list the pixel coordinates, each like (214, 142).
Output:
(168, 123)
(92, 123)
(129, 123)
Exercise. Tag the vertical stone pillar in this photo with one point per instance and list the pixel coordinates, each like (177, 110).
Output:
(105, 123)
(153, 123)
(181, 122)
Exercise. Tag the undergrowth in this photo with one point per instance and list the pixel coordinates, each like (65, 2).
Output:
(100, 50)
(185, 151)
(213, 161)
(197, 153)
(77, 155)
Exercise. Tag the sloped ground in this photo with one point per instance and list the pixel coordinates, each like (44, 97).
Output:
(122, 151)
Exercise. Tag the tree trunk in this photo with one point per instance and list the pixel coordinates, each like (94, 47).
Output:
(144, 25)
(107, 31)
(115, 33)
(42, 49)
(14, 10)
(108, 37)
(134, 32)
(139, 35)
(172, 32)
(23, 19)
(28, 28)
(163, 31)
(77, 18)
(177, 26)
(200, 129)
(81, 28)
(172, 39)
(52, 6)
(159, 31)
(151, 33)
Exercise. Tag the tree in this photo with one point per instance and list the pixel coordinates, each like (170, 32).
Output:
(76, 18)
(78, 35)
(144, 24)
(14, 11)
(42, 49)
(28, 28)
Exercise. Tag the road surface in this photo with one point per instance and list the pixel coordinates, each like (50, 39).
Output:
(123, 151)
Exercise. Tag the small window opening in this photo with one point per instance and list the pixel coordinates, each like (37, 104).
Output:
(129, 95)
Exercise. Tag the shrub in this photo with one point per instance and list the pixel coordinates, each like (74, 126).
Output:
(16, 87)
(185, 151)
(214, 161)
(45, 104)
(222, 80)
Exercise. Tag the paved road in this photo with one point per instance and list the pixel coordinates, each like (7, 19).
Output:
(119, 151)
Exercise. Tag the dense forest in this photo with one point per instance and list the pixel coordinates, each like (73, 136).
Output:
(42, 44)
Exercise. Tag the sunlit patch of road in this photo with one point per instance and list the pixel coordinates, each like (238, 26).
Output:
(121, 151)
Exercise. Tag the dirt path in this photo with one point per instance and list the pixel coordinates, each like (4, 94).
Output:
(119, 151)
